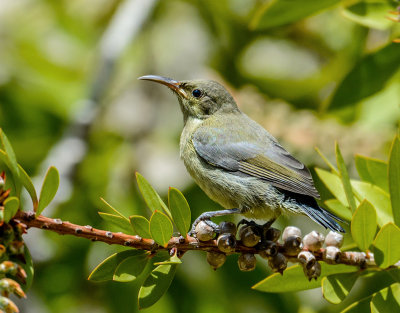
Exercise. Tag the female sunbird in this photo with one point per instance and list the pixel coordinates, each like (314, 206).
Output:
(237, 162)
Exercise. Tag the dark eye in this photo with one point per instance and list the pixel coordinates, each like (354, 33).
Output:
(196, 93)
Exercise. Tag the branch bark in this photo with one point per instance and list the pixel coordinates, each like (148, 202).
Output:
(180, 243)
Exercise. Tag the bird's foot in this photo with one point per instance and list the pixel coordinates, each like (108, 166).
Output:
(206, 218)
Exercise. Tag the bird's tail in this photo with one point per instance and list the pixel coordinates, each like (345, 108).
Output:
(323, 217)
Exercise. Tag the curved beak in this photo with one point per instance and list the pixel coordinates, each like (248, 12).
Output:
(169, 82)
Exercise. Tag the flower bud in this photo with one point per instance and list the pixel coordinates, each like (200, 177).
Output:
(203, 231)
(291, 231)
(313, 241)
(332, 254)
(247, 262)
(226, 243)
(334, 239)
(249, 236)
(270, 250)
(312, 272)
(277, 263)
(216, 259)
(272, 234)
(227, 228)
(306, 258)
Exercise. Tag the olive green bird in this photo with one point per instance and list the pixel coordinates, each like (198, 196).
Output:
(236, 162)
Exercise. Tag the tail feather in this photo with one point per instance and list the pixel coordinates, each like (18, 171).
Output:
(322, 217)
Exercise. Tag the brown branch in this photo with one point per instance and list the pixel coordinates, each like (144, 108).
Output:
(180, 243)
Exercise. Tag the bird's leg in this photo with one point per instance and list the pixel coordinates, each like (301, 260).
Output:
(206, 216)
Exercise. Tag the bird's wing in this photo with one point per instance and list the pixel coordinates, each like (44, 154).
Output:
(260, 155)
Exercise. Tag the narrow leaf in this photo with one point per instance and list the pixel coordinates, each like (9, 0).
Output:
(150, 196)
(358, 84)
(140, 225)
(327, 162)
(106, 206)
(106, 269)
(160, 228)
(130, 268)
(119, 222)
(386, 300)
(344, 176)
(373, 171)
(172, 260)
(378, 198)
(12, 160)
(336, 287)
(394, 179)
(386, 245)
(27, 183)
(49, 189)
(336, 207)
(294, 280)
(180, 210)
(11, 206)
(280, 12)
(363, 225)
(156, 285)
(29, 269)
(334, 184)
(359, 306)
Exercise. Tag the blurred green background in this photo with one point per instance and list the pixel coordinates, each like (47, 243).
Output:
(69, 97)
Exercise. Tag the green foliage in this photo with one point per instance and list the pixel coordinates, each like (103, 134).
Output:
(386, 245)
(11, 206)
(11, 160)
(49, 189)
(140, 225)
(344, 176)
(394, 179)
(122, 223)
(336, 287)
(160, 228)
(180, 210)
(373, 171)
(363, 225)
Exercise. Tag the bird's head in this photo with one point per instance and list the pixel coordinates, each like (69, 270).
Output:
(198, 98)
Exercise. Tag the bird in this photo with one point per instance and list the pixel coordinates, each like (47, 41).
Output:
(238, 163)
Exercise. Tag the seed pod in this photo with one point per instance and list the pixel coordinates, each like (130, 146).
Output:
(277, 263)
(216, 259)
(293, 245)
(270, 250)
(332, 254)
(11, 286)
(227, 228)
(249, 236)
(307, 259)
(6, 305)
(313, 241)
(272, 234)
(312, 272)
(291, 231)
(226, 243)
(204, 232)
(334, 239)
(247, 262)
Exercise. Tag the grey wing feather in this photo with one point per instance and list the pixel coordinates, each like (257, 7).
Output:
(260, 155)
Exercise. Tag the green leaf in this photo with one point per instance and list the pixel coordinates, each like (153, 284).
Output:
(363, 225)
(372, 14)
(49, 189)
(29, 269)
(367, 77)
(373, 171)
(335, 288)
(11, 206)
(293, 278)
(360, 306)
(386, 245)
(336, 207)
(334, 184)
(344, 176)
(386, 300)
(106, 269)
(394, 179)
(378, 198)
(280, 12)
(156, 285)
(160, 228)
(121, 223)
(27, 183)
(140, 225)
(180, 210)
(150, 196)
(327, 162)
(130, 268)
(12, 160)
(106, 206)
(172, 260)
